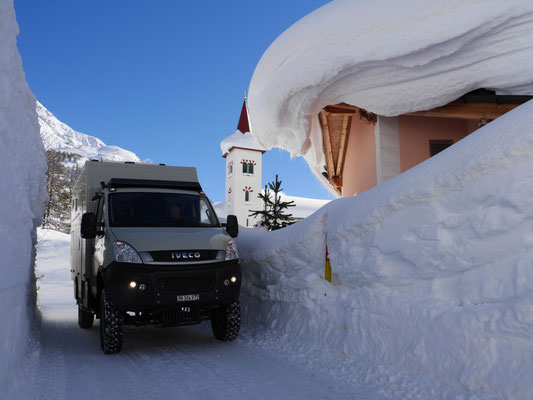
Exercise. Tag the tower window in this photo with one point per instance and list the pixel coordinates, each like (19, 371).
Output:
(246, 196)
(230, 168)
(247, 167)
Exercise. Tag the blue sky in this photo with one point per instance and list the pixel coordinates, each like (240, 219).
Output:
(164, 79)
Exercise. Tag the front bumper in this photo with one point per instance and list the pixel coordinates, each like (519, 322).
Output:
(164, 283)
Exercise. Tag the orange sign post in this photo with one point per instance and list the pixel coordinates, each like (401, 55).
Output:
(327, 274)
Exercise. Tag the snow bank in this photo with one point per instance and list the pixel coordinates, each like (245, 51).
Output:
(433, 268)
(388, 57)
(22, 195)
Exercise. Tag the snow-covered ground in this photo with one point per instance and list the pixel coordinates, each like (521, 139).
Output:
(187, 362)
(432, 270)
(388, 57)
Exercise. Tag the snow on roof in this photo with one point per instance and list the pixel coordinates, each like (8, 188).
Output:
(389, 58)
(242, 140)
(303, 208)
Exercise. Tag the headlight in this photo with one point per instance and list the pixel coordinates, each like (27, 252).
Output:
(123, 252)
(231, 251)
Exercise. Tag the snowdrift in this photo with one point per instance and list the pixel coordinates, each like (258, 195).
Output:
(433, 268)
(22, 195)
(388, 57)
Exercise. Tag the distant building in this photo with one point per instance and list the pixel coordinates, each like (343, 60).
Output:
(243, 172)
(244, 178)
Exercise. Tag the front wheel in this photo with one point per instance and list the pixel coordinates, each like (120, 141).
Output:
(226, 322)
(85, 318)
(111, 326)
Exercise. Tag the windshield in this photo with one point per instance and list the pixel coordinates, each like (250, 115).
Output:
(160, 209)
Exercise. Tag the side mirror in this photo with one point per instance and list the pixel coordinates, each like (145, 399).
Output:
(88, 225)
(232, 226)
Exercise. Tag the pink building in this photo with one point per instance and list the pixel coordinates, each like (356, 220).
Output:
(364, 91)
(363, 149)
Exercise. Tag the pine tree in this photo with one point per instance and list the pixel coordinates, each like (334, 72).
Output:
(58, 185)
(273, 214)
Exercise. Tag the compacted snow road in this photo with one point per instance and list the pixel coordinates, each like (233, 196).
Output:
(65, 361)
(155, 363)
(171, 363)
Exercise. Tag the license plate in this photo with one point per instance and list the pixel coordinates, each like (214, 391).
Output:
(189, 297)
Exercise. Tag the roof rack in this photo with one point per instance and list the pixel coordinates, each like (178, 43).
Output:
(149, 183)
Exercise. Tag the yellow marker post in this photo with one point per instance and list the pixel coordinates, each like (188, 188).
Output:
(327, 273)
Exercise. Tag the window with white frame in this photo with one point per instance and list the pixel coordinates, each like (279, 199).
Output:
(247, 167)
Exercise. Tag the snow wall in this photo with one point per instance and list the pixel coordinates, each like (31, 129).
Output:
(434, 268)
(22, 194)
(388, 57)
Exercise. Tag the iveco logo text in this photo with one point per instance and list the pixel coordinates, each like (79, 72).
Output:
(184, 254)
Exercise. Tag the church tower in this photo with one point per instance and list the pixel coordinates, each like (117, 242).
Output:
(243, 171)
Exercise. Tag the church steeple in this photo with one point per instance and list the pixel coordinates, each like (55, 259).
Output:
(243, 171)
(244, 125)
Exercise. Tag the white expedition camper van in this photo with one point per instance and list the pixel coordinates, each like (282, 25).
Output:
(147, 249)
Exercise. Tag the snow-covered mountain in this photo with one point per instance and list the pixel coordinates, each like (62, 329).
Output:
(59, 136)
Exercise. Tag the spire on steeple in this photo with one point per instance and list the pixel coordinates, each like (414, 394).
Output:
(244, 125)
(238, 139)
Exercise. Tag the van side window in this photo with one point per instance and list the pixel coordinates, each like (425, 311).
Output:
(205, 213)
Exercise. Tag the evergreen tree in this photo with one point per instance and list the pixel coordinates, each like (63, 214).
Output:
(273, 214)
(58, 185)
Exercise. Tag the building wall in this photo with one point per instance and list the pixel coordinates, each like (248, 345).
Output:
(360, 169)
(416, 132)
(359, 172)
(238, 182)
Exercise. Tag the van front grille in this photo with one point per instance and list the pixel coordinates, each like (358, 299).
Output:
(184, 255)
(184, 315)
(187, 285)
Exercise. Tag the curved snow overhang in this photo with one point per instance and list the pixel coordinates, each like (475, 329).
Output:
(386, 58)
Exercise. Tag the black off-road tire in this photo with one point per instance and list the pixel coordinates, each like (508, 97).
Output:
(226, 322)
(85, 318)
(111, 326)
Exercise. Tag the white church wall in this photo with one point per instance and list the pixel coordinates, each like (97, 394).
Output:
(237, 183)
